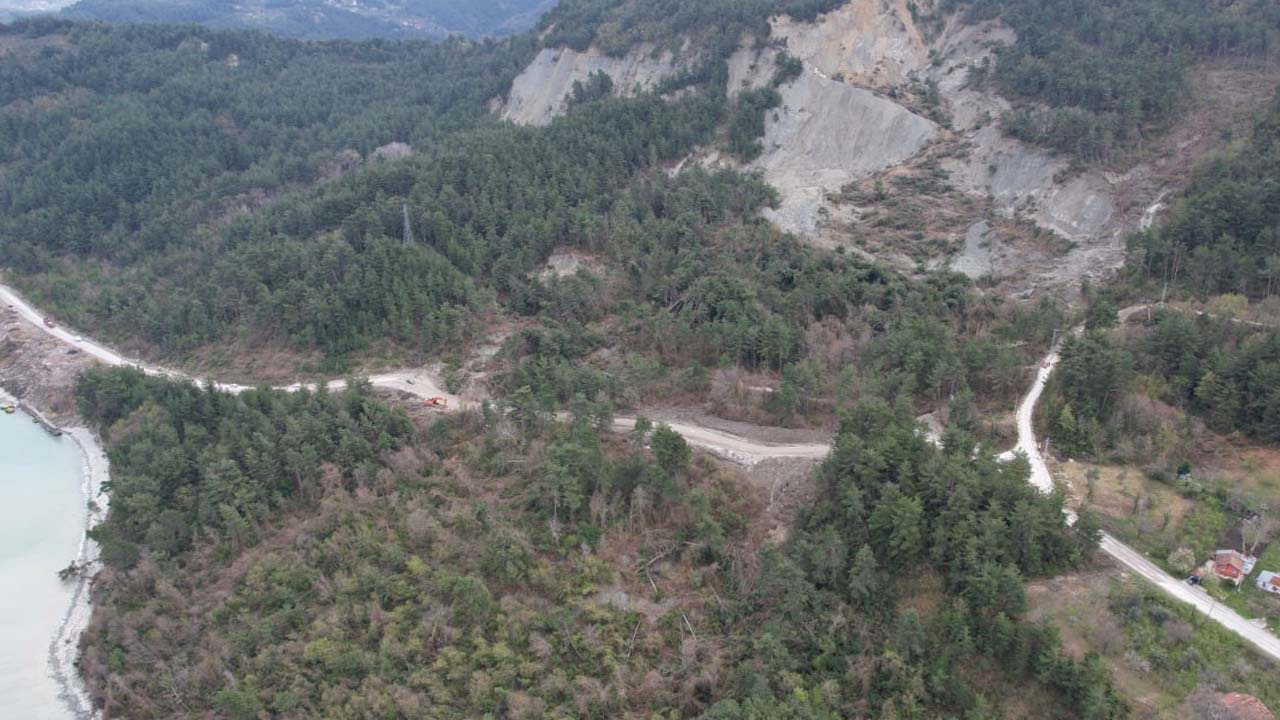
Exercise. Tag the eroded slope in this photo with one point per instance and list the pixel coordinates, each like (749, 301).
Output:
(883, 144)
(538, 94)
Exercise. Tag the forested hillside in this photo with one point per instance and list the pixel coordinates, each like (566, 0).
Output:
(164, 240)
(178, 187)
(899, 526)
(1221, 371)
(1223, 235)
(616, 26)
(1094, 77)
(315, 555)
(138, 167)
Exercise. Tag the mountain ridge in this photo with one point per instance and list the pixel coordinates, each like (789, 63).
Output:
(328, 19)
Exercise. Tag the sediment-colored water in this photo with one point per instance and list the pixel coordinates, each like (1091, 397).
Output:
(43, 510)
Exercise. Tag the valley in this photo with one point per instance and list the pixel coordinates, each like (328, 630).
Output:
(671, 347)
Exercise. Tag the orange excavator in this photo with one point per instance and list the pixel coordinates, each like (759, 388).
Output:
(438, 402)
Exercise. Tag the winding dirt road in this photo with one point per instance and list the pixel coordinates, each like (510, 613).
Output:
(1042, 479)
(414, 382)
(748, 452)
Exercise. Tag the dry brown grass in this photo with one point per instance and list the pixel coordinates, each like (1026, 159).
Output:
(1076, 605)
(1119, 490)
(1247, 470)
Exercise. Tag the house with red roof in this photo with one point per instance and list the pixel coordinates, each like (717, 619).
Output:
(1233, 565)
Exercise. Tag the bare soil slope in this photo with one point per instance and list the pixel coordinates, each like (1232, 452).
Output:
(883, 146)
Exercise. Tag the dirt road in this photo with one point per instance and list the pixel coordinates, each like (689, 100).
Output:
(1041, 478)
(1131, 559)
(1028, 444)
(414, 382)
(749, 452)
(734, 447)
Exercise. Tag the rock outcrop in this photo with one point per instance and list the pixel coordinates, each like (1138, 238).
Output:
(877, 49)
(857, 114)
(872, 43)
(827, 134)
(538, 94)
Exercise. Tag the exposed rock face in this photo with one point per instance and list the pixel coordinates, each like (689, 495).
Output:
(1021, 180)
(832, 129)
(877, 44)
(873, 43)
(975, 259)
(856, 115)
(750, 68)
(537, 95)
(1024, 179)
(827, 134)
(1018, 177)
(391, 151)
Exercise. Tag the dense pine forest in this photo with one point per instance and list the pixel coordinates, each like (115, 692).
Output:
(180, 187)
(616, 26)
(1222, 371)
(1223, 235)
(1221, 243)
(1099, 76)
(168, 245)
(315, 555)
(152, 191)
(897, 521)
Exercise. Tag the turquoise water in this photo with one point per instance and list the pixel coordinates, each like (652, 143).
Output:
(42, 517)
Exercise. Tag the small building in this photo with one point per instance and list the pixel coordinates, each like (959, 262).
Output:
(1233, 565)
(1269, 582)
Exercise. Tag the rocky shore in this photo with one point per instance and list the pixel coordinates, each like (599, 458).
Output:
(39, 373)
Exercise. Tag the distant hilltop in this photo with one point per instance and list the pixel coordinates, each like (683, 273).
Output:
(313, 19)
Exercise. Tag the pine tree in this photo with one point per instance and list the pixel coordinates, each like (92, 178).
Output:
(1065, 433)
(864, 577)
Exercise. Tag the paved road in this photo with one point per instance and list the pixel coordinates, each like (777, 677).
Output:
(1262, 639)
(747, 451)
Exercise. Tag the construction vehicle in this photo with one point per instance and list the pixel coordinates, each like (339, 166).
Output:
(438, 402)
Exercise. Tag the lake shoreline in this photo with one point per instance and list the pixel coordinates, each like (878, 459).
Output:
(64, 646)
